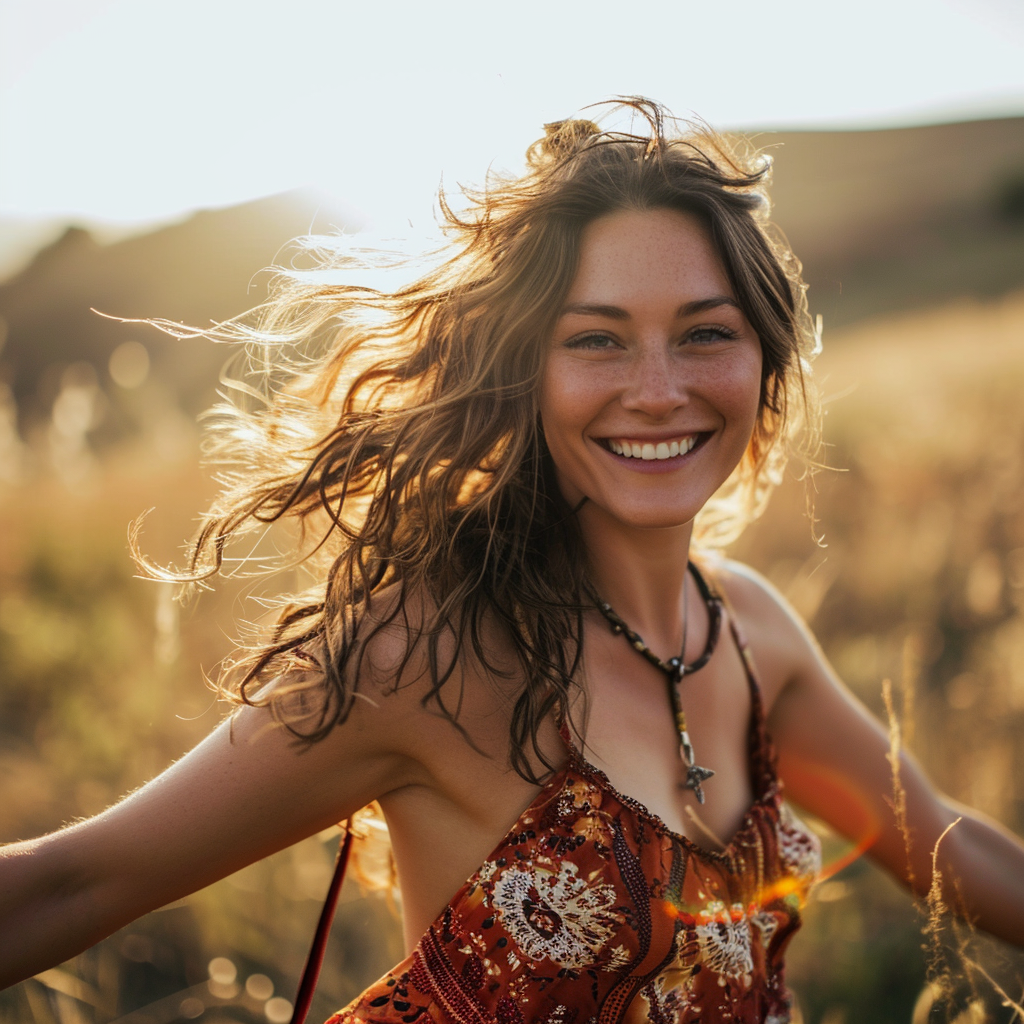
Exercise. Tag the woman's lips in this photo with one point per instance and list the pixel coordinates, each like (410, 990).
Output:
(651, 450)
(650, 456)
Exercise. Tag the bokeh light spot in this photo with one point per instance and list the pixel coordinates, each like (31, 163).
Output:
(73, 411)
(129, 364)
(259, 986)
(222, 970)
(278, 1010)
(222, 991)
(191, 1008)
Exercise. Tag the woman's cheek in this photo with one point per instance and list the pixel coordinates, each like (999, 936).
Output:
(741, 393)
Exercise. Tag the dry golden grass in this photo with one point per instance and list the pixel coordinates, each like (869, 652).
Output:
(920, 580)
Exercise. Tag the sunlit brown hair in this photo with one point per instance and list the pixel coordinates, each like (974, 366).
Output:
(401, 428)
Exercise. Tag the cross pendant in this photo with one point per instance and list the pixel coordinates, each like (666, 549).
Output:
(695, 775)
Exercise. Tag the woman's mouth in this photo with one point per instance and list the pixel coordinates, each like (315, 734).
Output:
(652, 451)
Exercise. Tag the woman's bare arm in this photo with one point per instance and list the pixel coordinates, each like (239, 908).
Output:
(245, 792)
(833, 758)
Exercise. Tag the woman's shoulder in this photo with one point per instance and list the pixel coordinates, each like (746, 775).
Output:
(779, 640)
(746, 590)
(405, 639)
(368, 676)
(412, 665)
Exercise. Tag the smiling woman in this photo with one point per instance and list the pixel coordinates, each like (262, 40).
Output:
(513, 477)
(653, 369)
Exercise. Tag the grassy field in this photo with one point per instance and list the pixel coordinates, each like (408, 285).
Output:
(918, 577)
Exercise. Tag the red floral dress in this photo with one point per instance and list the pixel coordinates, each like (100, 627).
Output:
(592, 910)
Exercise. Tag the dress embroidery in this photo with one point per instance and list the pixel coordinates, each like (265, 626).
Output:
(592, 911)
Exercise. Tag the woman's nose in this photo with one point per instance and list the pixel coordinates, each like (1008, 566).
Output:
(655, 386)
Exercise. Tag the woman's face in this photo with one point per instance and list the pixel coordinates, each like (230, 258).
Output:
(652, 377)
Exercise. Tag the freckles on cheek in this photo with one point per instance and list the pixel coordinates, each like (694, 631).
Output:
(563, 384)
(563, 402)
(740, 390)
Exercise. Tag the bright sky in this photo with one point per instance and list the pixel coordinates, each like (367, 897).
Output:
(130, 110)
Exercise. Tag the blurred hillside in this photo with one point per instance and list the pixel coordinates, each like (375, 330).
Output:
(204, 269)
(902, 218)
(883, 221)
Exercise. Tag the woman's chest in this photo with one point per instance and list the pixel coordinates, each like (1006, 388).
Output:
(626, 727)
(621, 719)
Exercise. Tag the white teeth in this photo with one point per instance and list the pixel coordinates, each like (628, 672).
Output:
(649, 451)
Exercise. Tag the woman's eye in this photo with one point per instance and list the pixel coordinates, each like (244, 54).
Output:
(709, 335)
(592, 342)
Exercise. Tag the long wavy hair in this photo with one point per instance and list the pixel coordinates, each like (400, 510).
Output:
(399, 429)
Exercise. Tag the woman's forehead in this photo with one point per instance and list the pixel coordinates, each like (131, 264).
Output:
(631, 255)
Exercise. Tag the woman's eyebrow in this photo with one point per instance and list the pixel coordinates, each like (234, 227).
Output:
(594, 309)
(618, 313)
(703, 305)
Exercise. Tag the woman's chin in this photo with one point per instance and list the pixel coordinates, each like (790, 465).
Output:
(644, 515)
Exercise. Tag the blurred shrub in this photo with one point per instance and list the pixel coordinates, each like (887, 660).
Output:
(1010, 199)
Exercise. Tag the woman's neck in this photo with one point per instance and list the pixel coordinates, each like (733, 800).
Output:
(640, 572)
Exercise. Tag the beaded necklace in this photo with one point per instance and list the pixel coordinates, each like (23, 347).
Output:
(676, 668)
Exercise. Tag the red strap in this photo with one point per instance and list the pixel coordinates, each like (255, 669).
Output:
(315, 960)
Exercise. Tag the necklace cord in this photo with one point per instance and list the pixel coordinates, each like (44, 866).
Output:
(676, 669)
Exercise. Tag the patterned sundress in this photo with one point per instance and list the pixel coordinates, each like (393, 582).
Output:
(592, 911)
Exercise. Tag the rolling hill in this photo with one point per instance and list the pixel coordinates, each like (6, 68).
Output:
(883, 220)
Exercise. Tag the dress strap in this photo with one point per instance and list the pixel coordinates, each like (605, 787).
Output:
(575, 756)
(762, 755)
(315, 960)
